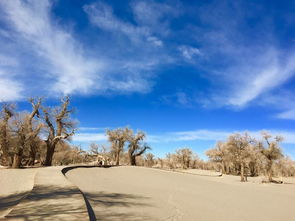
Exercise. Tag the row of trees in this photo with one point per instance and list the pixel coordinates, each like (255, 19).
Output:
(40, 136)
(244, 155)
(30, 137)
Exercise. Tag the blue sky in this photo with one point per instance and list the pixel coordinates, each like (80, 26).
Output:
(186, 72)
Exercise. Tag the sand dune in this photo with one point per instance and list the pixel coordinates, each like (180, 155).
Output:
(134, 193)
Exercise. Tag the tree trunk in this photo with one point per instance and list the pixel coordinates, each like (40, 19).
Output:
(49, 155)
(32, 155)
(242, 173)
(4, 147)
(222, 168)
(117, 158)
(269, 176)
(17, 158)
(269, 172)
(132, 159)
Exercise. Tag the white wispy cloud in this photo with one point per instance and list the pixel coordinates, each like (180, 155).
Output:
(89, 137)
(67, 67)
(92, 128)
(189, 52)
(138, 47)
(49, 60)
(178, 99)
(282, 102)
(269, 73)
(155, 16)
(102, 15)
(288, 115)
(216, 135)
(194, 135)
(246, 64)
(10, 89)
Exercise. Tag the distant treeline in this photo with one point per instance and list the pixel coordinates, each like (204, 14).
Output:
(40, 137)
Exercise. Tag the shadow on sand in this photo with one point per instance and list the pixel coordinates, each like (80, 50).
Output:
(112, 206)
(6, 202)
(36, 207)
(67, 169)
(39, 204)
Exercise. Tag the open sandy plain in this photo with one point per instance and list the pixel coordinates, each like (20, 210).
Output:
(136, 193)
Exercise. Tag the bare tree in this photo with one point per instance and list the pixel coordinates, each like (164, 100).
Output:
(33, 132)
(60, 127)
(184, 157)
(135, 147)
(271, 153)
(20, 131)
(171, 160)
(219, 155)
(99, 154)
(24, 135)
(6, 114)
(239, 148)
(118, 137)
(149, 159)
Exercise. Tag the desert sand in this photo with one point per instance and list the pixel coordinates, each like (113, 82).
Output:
(137, 193)
(53, 197)
(134, 193)
(15, 184)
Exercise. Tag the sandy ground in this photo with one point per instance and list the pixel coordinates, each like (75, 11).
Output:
(14, 185)
(134, 193)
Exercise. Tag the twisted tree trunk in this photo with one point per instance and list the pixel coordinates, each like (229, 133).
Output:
(49, 154)
(242, 172)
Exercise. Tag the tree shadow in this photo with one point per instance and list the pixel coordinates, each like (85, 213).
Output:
(67, 169)
(118, 206)
(43, 203)
(7, 202)
(112, 206)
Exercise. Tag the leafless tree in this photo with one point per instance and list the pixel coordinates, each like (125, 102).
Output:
(184, 157)
(149, 159)
(239, 148)
(171, 160)
(118, 138)
(219, 155)
(25, 136)
(135, 147)
(272, 152)
(99, 154)
(33, 132)
(59, 127)
(6, 114)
